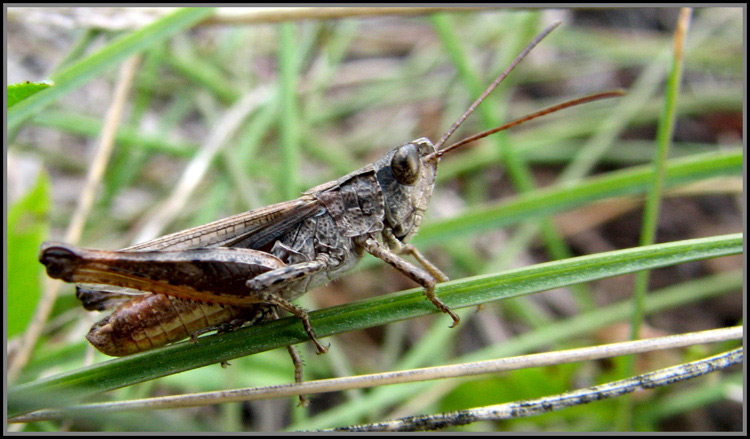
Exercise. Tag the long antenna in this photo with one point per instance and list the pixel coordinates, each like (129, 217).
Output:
(497, 81)
(528, 117)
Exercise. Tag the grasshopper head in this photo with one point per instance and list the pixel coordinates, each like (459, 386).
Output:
(407, 180)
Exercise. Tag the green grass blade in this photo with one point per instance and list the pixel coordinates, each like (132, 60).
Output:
(664, 135)
(106, 58)
(76, 123)
(290, 142)
(62, 389)
(631, 181)
(572, 328)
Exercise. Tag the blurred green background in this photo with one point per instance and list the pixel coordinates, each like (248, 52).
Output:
(316, 98)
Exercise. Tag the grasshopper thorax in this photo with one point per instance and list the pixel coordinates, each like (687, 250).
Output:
(406, 179)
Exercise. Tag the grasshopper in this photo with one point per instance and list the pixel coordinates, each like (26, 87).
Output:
(240, 269)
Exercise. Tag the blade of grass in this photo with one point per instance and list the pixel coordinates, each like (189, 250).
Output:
(290, 142)
(540, 406)
(591, 153)
(497, 365)
(104, 59)
(79, 49)
(551, 200)
(571, 328)
(59, 390)
(664, 133)
(80, 215)
(517, 168)
(129, 159)
(529, 143)
(76, 123)
(204, 73)
(152, 224)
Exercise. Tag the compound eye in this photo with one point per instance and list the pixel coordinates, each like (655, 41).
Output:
(405, 164)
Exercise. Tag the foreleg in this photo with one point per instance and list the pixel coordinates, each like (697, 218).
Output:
(400, 248)
(422, 277)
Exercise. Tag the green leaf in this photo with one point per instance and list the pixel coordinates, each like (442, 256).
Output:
(19, 92)
(27, 228)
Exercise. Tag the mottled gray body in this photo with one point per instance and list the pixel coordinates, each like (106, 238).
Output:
(268, 256)
(240, 269)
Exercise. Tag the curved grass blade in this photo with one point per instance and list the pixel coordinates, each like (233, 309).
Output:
(62, 389)
(631, 181)
(106, 58)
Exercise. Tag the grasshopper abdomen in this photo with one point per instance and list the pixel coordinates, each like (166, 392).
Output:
(154, 320)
